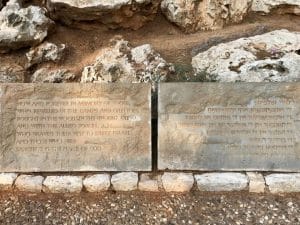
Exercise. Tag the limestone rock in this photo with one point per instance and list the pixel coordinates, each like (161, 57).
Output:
(280, 6)
(148, 183)
(222, 182)
(126, 181)
(29, 183)
(45, 75)
(97, 183)
(62, 184)
(271, 57)
(11, 73)
(177, 182)
(256, 182)
(205, 15)
(44, 53)
(22, 27)
(118, 13)
(121, 63)
(7, 180)
(283, 183)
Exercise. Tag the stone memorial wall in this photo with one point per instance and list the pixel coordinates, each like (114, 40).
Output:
(235, 127)
(107, 127)
(75, 127)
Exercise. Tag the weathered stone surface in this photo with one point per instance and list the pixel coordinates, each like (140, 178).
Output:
(256, 182)
(280, 6)
(75, 127)
(7, 180)
(29, 183)
(11, 73)
(1, 4)
(229, 126)
(46, 75)
(271, 57)
(177, 182)
(222, 182)
(121, 63)
(205, 15)
(283, 183)
(97, 183)
(45, 52)
(62, 184)
(22, 27)
(126, 181)
(118, 13)
(148, 182)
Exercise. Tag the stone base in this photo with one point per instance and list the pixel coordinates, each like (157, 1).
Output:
(177, 182)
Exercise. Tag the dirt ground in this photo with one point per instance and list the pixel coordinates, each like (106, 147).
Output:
(137, 208)
(85, 39)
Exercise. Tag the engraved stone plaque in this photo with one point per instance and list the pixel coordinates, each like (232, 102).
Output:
(229, 126)
(75, 127)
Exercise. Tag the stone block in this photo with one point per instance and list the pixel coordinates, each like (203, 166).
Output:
(29, 183)
(97, 183)
(7, 181)
(126, 181)
(257, 182)
(283, 183)
(177, 182)
(222, 182)
(148, 183)
(62, 184)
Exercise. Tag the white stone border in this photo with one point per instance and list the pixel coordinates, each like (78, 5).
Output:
(275, 183)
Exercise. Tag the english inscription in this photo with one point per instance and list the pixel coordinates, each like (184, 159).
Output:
(108, 130)
(234, 127)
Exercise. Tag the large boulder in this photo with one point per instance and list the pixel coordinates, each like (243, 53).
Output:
(271, 57)
(118, 13)
(279, 6)
(121, 63)
(22, 27)
(205, 15)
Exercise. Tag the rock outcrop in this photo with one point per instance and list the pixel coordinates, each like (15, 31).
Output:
(44, 53)
(118, 13)
(271, 57)
(22, 27)
(205, 15)
(121, 63)
(279, 6)
(46, 75)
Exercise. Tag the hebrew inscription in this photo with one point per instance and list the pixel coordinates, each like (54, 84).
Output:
(240, 127)
(106, 130)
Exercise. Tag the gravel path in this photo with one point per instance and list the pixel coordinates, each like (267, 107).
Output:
(144, 208)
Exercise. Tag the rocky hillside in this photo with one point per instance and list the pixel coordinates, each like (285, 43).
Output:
(149, 40)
